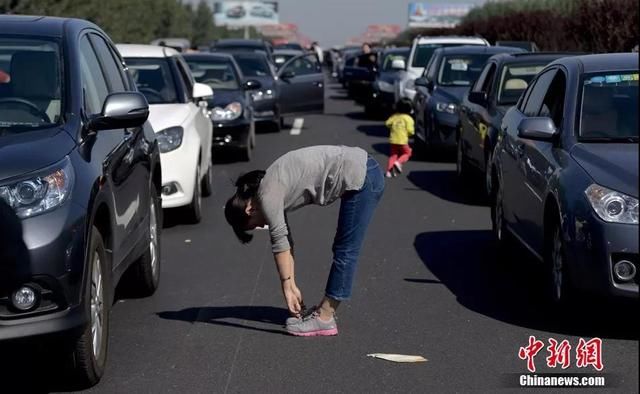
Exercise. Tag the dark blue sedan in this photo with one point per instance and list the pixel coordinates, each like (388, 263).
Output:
(566, 174)
(446, 79)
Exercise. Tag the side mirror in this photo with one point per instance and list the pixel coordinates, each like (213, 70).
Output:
(121, 110)
(479, 98)
(287, 75)
(251, 84)
(538, 128)
(201, 91)
(398, 64)
(424, 82)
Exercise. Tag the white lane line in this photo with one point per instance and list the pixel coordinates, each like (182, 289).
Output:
(296, 129)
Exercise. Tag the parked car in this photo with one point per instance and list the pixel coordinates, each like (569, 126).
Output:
(391, 66)
(501, 82)
(297, 88)
(422, 49)
(179, 116)
(347, 59)
(281, 56)
(236, 12)
(566, 175)
(228, 45)
(80, 166)
(445, 80)
(262, 11)
(231, 107)
(358, 75)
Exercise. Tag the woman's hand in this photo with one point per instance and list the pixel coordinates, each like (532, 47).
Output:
(293, 297)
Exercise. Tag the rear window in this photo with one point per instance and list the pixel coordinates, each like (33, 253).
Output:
(218, 75)
(390, 57)
(461, 70)
(424, 52)
(515, 79)
(30, 84)
(154, 79)
(252, 66)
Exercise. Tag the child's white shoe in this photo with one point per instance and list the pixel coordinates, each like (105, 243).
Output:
(398, 167)
(388, 174)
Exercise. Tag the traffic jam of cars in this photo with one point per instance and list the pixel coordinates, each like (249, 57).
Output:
(98, 139)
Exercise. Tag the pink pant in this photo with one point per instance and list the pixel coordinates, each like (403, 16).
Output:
(399, 153)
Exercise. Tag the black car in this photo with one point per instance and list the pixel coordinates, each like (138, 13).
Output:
(244, 45)
(448, 76)
(359, 74)
(231, 106)
(80, 167)
(391, 63)
(565, 174)
(296, 88)
(501, 82)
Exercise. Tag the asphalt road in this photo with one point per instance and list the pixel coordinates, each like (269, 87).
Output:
(427, 285)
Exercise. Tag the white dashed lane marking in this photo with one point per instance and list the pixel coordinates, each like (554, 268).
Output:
(296, 129)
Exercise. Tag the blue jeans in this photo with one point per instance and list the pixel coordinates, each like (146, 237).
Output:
(356, 211)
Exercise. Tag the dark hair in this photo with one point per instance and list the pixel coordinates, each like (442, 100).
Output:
(234, 211)
(404, 106)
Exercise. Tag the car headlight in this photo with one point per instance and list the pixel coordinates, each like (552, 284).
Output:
(170, 139)
(263, 95)
(612, 206)
(385, 87)
(230, 112)
(40, 193)
(446, 107)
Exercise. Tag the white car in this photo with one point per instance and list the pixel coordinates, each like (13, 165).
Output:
(421, 51)
(180, 118)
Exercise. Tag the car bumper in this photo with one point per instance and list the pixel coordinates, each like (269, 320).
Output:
(56, 247)
(179, 175)
(597, 247)
(231, 134)
(444, 132)
(266, 111)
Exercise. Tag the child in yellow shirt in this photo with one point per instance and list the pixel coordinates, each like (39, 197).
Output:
(401, 126)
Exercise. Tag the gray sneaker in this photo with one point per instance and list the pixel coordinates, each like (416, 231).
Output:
(305, 312)
(311, 326)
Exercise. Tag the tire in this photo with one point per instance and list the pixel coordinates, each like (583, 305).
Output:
(462, 166)
(89, 355)
(194, 210)
(503, 240)
(207, 181)
(145, 272)
(558, 290)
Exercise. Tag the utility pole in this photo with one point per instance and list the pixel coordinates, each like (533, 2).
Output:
(247, 32)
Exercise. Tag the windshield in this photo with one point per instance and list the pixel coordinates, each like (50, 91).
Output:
(609, 107)
(154, 79)
(515, 79)
(252, 66)
(281, 59)
(390, 57)
(216, 74)
(461, 70)
(424, 52)
(30, 84)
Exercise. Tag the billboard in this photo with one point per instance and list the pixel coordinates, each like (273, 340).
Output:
(246, 13)
(437, 15)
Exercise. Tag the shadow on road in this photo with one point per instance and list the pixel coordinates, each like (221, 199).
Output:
(374, 130)
(465, 262)
(224, 316)
(445, 185)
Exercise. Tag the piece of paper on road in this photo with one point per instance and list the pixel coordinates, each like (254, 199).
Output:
(398, 358)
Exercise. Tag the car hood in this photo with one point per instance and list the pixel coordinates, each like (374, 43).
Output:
(222, 98)
(162, 116)
(24, 153)
(614, 166)
(452, 94)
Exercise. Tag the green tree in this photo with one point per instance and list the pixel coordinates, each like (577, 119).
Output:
(203, 27)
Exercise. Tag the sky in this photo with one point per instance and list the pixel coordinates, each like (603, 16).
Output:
(332, 22)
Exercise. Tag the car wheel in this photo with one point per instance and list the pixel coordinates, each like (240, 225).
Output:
(194, 210)
(207, 181)
(500, 232)
(146, 271)
(461, 162)
(89, 355)
(555, 262)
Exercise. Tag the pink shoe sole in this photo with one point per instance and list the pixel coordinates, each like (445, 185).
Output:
(319, 333)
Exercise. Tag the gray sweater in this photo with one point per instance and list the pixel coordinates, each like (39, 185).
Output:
(314, 175)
